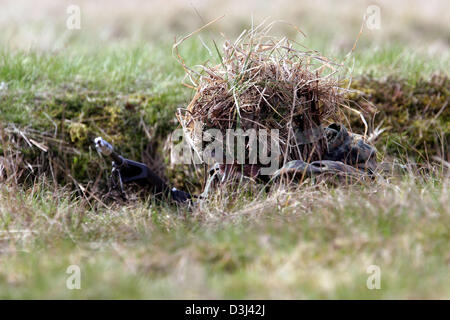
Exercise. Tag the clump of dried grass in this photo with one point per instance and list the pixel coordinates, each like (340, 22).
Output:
(265, 83)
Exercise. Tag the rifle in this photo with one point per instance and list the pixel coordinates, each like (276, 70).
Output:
(132, 171)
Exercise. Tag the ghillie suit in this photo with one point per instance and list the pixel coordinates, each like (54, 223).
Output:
(347, 157)
(346, 153)
(266, 84)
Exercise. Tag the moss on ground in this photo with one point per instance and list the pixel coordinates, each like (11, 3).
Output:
(67, 123)
(416, 115)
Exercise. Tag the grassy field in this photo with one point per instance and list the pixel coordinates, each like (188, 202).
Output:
(62, 88)
(310, 242)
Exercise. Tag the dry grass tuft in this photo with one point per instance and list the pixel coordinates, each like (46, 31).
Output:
(265, 83)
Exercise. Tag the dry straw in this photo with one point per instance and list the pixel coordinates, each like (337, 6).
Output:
(263, 82)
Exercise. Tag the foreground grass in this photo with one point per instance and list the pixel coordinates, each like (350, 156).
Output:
(311, 242)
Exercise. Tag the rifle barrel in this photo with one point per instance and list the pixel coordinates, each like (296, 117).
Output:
(117, 159)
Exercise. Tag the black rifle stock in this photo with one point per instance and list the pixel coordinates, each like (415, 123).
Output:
(133, 171)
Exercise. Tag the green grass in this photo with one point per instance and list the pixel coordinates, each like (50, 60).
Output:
(313, 242)
(150, 69)
(399, 61)
(151, 66)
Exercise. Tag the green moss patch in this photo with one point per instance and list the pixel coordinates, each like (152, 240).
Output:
(416, 115)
